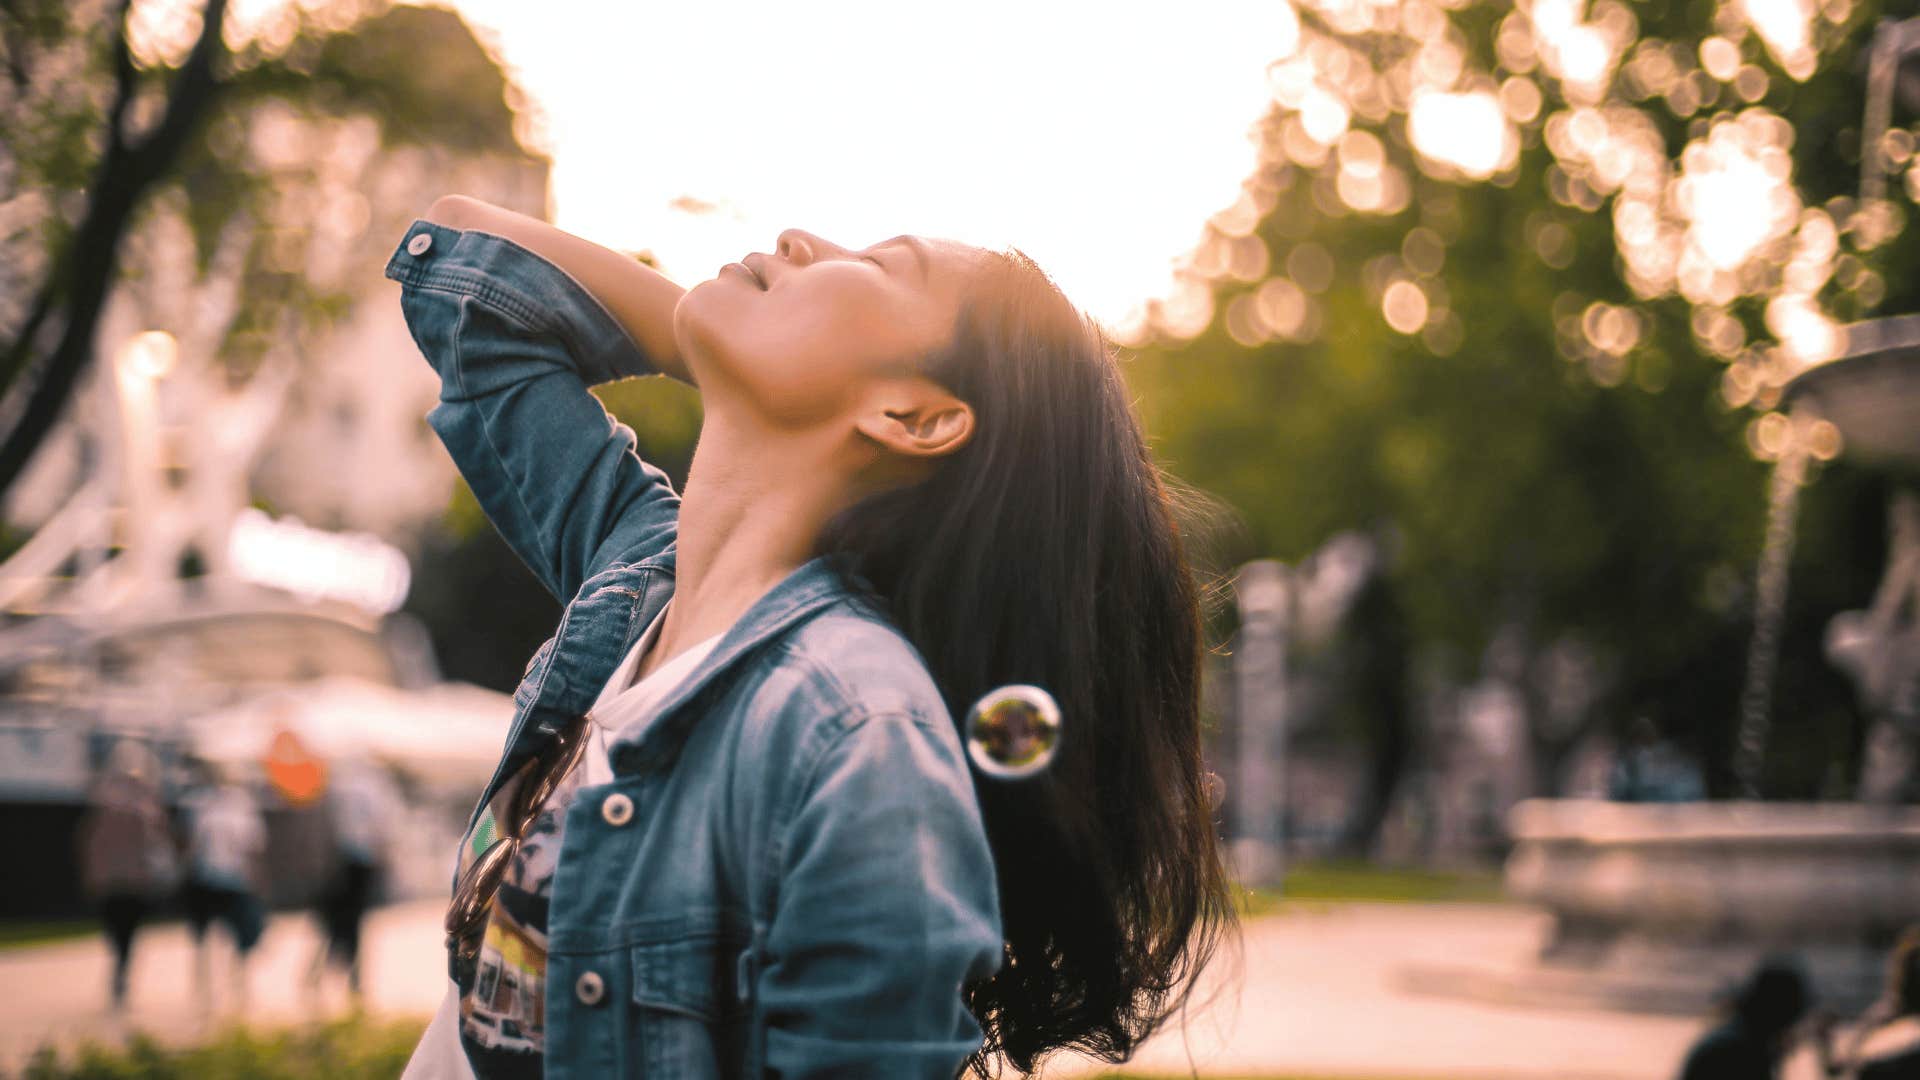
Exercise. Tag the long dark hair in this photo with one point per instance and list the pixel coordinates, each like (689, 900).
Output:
(1046, 551)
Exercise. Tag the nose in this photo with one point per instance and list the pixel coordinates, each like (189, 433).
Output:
(802, 247)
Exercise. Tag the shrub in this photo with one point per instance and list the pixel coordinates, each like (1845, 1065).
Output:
(348, 1049)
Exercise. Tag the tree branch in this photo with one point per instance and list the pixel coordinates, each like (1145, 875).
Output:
(126, 82)
(193, 89)
(92, 256)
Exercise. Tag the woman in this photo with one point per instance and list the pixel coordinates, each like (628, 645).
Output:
(226, 867)
(127, 862)
(735, 834)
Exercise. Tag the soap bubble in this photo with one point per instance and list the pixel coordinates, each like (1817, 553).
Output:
(1013, 732)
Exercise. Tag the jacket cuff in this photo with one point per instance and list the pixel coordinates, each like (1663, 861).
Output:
(522, 285)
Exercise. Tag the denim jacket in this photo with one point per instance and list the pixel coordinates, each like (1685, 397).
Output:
(788, 874)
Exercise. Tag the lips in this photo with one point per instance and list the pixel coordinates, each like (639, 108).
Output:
(748, 271)
(759, 275)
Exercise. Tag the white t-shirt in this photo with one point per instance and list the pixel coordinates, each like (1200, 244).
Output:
(365, 804)
(622, 704)
(224, 834)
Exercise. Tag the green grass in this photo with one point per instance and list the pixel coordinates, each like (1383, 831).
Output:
(348, 1049)
(22, 935)
(1335, 882)
(351, 1048)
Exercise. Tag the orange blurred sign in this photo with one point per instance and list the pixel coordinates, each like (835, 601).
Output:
(296, 773)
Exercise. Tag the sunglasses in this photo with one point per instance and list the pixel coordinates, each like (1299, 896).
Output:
(495, 840)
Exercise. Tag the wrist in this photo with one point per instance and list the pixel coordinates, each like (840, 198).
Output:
(640, 299)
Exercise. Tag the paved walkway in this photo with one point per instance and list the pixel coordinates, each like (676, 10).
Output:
(1316, 990)
(1319, 990)
(58, 993)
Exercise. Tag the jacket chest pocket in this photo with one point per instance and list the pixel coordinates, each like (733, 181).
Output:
(690, 1019)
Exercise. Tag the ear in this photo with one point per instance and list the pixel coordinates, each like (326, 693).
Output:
(918, 420)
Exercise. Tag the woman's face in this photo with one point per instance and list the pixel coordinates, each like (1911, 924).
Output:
(798, 336)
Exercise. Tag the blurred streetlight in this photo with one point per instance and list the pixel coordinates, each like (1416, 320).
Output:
(150, 353)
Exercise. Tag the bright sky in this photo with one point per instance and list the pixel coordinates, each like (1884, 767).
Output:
(1096, 136)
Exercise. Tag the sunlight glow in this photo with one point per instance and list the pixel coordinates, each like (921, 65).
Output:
(1786, 27)
(1467, 131)
(1582, 52)
(1098, 139)
(150, 354)
(1735, 187)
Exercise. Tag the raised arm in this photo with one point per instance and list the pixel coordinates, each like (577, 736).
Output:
(639, 297)
(516, 341)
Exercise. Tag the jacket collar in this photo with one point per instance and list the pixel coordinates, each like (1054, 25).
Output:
(810, 589)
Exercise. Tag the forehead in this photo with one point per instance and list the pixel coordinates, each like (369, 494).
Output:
(933, 247)
(945, 264)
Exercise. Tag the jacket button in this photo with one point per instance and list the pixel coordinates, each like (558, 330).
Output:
(589, 988)
(419, 244)
(617, 810)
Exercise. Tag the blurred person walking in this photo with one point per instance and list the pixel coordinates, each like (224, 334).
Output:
(226, 843)
(127, 858)
(1758, 1030)
(362, 803)
(1650, 768)
(734, 830)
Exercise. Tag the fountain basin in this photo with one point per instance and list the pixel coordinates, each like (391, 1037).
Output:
(1871, 392)
(1662, 905)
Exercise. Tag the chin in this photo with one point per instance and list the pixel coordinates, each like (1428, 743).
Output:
(701, 319)
(700, 307)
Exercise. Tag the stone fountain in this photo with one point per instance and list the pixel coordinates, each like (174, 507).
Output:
(1661, 906)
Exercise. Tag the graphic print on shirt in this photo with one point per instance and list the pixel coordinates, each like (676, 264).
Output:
(503, 1015)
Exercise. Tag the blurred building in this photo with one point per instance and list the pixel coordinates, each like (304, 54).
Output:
(353, 450)
(349, 447)
(216, 539)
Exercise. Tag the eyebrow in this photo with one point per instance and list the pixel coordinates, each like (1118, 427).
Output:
(914, 245)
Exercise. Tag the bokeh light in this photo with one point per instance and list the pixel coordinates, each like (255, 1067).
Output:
(1467, 131)
(150, 354)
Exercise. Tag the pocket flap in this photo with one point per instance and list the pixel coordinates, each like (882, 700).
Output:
(683, 976)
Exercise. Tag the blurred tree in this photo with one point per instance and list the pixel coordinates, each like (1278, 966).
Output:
(115, 112)
(53, 124)
(1522, 280)
(307, 135)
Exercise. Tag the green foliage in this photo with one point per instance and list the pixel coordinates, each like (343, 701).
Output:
(1542, 487)
(355, 1047)
(461, 101)
(665, 416)
(15, 934)
(369, 68)
(1358, 882)
(417, 73)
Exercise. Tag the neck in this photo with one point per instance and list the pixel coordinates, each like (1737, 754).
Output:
(749, 517)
